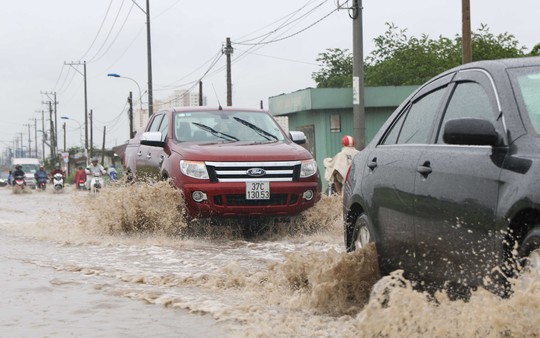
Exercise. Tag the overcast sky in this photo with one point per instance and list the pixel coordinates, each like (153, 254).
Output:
(39, 37)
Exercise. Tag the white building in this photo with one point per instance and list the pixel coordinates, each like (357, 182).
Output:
(180, 98)
(140, 118)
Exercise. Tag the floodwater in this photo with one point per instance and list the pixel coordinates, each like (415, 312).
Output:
(124, 263)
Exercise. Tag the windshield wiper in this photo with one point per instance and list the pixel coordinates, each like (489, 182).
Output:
(215, 132)
(259, 131)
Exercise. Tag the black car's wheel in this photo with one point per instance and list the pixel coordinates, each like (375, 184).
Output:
(360, 233)
(529, 251)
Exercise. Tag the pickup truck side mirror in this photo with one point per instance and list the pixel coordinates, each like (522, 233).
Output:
(297, 137)
(470, 131)
(152, 138)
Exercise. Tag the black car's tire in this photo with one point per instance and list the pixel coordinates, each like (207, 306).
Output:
(360, 233)
(529, 250)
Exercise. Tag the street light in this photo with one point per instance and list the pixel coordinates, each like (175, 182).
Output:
(80, 135)
(125, 77)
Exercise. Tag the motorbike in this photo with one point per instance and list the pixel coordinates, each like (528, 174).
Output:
(96, 183)
(81, 185)
(42, 183)
(58, 182)
(19, 184)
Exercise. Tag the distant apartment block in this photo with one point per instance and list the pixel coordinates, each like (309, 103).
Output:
(140, 118)
(180, 98)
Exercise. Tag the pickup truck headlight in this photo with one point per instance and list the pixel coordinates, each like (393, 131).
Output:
(195, 169)
(309, 168)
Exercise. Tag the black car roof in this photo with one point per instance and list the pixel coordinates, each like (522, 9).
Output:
(497, 65)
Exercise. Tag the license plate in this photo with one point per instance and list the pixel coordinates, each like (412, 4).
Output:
(257, 190)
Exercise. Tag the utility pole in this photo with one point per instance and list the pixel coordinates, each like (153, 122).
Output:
(35, 136)
(466, 31)
(55, 122)
(29, 140)
(149, 58)
(91, 134)
(85, 98)
(359, 112)
(53, 136)
(16, 146)
(64, 127)
(103, 147)
(200, 94)
(43, 133)
(228, 50)
(130, 115)
(22, 148)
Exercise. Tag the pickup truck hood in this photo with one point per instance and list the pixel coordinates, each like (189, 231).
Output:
(241, 151)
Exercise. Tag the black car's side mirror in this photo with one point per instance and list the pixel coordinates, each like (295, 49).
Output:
(470, 131)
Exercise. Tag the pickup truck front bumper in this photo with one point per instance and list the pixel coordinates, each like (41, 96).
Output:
(229, 199)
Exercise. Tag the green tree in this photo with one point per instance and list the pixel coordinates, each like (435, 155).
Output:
(402, 60)
(336, 69)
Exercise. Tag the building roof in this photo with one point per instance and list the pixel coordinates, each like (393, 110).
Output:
(336, 98)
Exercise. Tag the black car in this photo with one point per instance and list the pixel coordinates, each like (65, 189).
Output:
(449, 188)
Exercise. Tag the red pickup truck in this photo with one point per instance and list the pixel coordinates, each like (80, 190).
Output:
(228, 162)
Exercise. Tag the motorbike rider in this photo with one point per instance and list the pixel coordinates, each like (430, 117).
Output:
(113, 175)
(80, 175)
(18, 172)
(338, 166)
(93, 169)
(57, 170)
(41, 175)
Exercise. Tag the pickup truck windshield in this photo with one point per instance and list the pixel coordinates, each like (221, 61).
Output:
(230, 126)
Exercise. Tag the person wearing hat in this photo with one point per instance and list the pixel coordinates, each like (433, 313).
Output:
(41, 176)
(336, 167)
(17, 173)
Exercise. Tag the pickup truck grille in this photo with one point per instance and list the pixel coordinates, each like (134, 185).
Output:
(287, 171)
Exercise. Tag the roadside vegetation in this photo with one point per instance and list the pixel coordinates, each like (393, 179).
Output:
(399, 59)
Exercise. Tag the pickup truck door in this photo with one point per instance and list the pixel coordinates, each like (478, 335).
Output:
(150, 157)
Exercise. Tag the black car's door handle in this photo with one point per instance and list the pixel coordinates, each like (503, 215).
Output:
(373, 164)
(424, 169)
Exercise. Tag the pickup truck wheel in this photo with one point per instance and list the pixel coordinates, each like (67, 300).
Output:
(360, 234)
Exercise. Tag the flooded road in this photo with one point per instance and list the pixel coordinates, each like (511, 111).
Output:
(125, 264)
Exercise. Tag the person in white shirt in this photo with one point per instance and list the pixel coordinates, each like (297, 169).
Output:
(93, 169)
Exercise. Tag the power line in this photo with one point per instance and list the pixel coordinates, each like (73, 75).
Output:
(287, 22)
(109, 33)
(99, 31)
(288, 36)
(277, 57)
